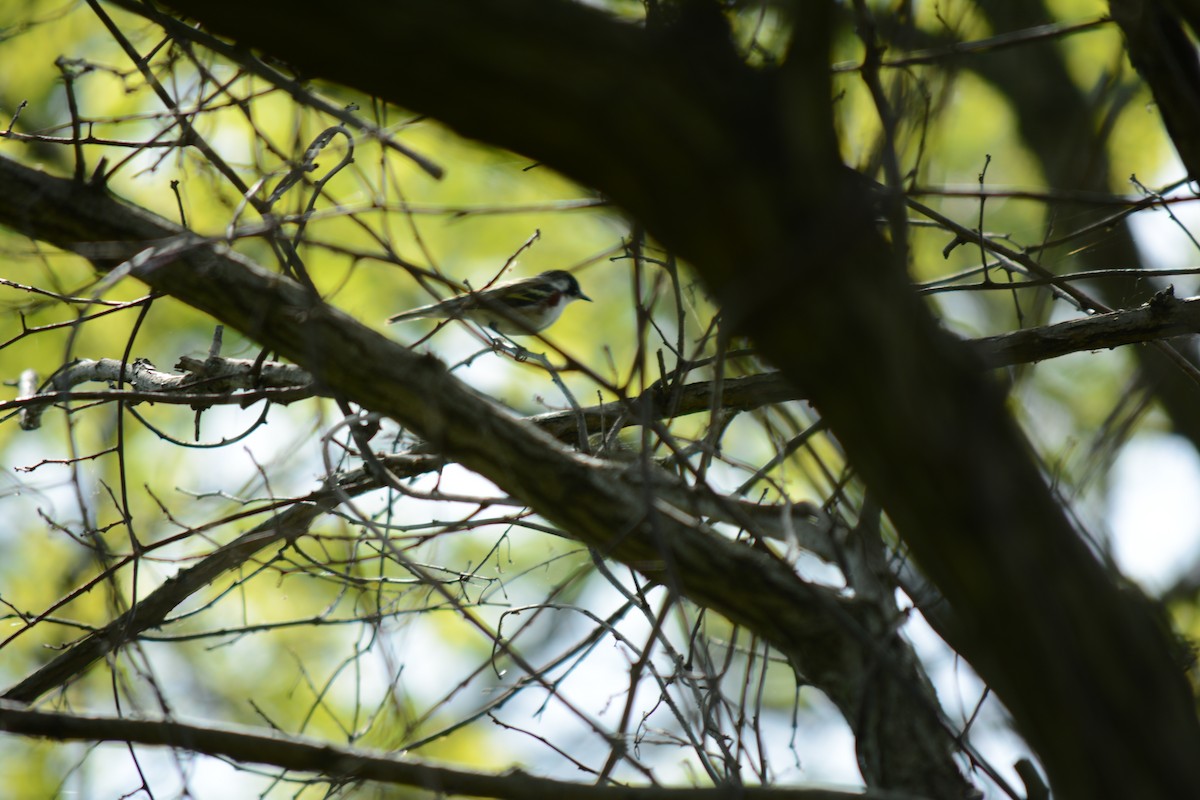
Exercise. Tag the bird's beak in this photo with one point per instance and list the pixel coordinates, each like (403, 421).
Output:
(583, 296)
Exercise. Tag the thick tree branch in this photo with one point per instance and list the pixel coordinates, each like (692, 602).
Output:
(1161, 52)
(839, 645)
(308, 756)
(789, 246)
(1162, 318)
(1073, 147)
(799, 522)
(779, 522)
(201, 383)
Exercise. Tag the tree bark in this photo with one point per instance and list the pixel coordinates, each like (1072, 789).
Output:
(849, 648)
(737, 170)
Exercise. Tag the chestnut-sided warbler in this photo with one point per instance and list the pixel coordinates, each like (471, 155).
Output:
(517, 308)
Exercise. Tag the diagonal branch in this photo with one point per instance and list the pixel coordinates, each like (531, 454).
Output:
(153, 610)
(838, 644)
(737, 170)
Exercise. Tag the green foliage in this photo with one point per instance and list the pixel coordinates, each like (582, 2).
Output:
(387, 624)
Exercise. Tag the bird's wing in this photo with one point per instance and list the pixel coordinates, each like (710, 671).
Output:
(499, 296)
(447, 308)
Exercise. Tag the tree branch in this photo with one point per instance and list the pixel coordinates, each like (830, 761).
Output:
(838, 644)
(343, 763)
(231, 381)
(787, 242)
(152, 611)
(1162, 318)
(1161, 52)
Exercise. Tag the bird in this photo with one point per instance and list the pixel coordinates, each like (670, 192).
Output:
(517, 308)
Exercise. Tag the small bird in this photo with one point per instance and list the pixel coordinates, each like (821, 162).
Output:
(517, 308)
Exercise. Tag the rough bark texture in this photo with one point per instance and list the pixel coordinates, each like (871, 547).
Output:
(737, 171)
(846, 647)
(305, 755)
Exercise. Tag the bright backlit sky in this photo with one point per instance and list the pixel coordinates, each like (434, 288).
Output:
(1154, 507)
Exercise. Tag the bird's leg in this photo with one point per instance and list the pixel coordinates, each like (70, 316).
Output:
(502, 344)
(506, 343)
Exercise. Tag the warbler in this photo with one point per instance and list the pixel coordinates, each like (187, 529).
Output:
(516, 308)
